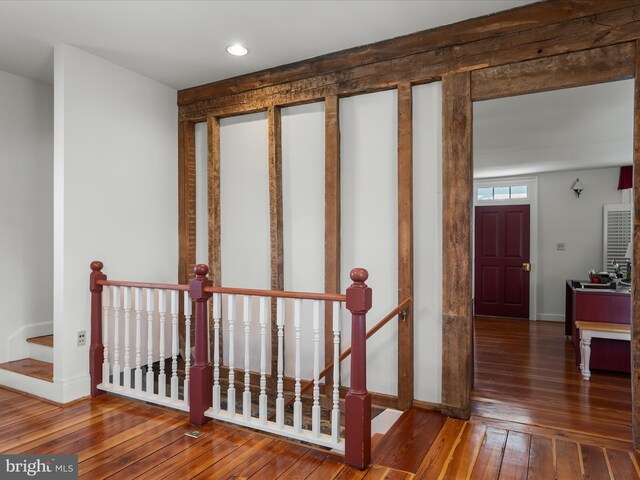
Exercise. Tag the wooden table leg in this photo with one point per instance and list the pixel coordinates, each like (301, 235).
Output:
(585, 351)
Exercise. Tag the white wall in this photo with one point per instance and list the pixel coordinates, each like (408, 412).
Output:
(26, 212)
(115, 192)
(244, 218)
(368, 128)
(303, 221)
(576, 222)
(202, 199)
(427, 238)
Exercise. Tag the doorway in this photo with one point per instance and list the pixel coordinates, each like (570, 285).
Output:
(524, 371)
(502, 261)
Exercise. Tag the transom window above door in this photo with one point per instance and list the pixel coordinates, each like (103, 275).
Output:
(502, 192)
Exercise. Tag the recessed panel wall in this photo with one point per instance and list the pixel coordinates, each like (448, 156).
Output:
(427, 238)
(244, 216)
(368, 126)
(303, 222)
(202, 207)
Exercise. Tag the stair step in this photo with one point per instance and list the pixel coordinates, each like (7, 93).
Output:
(31, 368)
(44, 340)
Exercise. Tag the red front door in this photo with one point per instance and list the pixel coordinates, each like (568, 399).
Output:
(502, 254)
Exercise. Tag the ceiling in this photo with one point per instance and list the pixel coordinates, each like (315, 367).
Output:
(577, 128)
(182, 43)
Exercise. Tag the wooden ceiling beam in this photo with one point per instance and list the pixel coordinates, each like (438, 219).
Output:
(498, 24)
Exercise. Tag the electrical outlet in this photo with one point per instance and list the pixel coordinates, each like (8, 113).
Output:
(82, 338)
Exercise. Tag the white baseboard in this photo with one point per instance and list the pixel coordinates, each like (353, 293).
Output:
(75, 388)
(34, 386)
(551, 317)
(17, 346)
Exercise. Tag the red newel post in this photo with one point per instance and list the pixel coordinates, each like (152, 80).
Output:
(201, 374)
(96, 350)
(358, 400)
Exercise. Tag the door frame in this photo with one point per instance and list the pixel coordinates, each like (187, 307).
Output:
(532, 201)
(459, 90)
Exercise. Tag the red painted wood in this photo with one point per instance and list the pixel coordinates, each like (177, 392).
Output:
(96, 350)
(358, 399)
(502, 240)
(201, 373)
(606, 307)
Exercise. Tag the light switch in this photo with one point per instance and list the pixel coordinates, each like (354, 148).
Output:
(560, 246)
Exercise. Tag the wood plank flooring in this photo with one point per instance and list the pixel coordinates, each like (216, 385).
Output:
(520, 436)
(119, 438)
(525, 372)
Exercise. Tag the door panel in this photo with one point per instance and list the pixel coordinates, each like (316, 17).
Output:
(501, 249)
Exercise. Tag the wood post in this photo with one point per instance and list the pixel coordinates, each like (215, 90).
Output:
(635, 285)
(457, 183)
(96, 350)
(331, 223)
(201, 374)
(358, 399)
(405, 244)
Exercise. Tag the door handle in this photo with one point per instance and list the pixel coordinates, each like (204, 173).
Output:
(526, 267)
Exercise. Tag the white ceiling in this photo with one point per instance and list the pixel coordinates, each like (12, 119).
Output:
(572, 129)
(182, 43)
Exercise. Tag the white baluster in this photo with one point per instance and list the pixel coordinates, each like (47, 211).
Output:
(174, 345)
(231, 392)
(126, 297)
(315, 409)
(116, 337)
(150, 379)
(187, 345)
(106, 303)
(297, 404)
(217, 310)
(246, 396)
(162, 309)
(280, 385)
(137, 294)
(335, 412)
(262, 402)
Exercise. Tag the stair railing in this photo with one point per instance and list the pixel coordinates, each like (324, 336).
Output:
(124, 303)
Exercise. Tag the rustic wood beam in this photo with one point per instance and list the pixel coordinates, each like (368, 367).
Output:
(276, 225)
(575, 69)
(186, 200)
(635, 306)
(405, 244)
(598, 30)
(186, 212)
(213, 199)
(500, 23)
(331, 221)
(214, 237)
(457, 181)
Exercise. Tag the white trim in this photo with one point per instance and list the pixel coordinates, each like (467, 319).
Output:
(551, 317)
(532, 201)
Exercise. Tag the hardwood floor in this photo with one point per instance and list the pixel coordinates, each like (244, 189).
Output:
(525, 372)
(533, 418)
(119, 438)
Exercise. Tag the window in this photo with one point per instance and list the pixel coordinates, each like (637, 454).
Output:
(502, 193)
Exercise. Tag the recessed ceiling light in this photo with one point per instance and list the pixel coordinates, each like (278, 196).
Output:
(237, 50)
